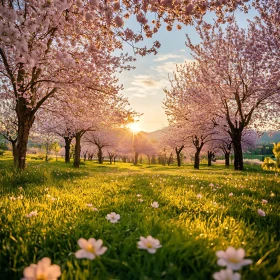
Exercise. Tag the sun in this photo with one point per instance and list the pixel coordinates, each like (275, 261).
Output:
(134, 127)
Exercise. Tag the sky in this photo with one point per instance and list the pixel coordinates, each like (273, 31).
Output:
(144, 85)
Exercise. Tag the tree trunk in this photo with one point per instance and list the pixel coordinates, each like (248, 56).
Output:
(210, 156)
(68, 141)
(237, 148)
(178, 152)
(178, 158)
(196, 158)
(111, 159)
(227, 159)
(25, 121)
(77, 150)
(100, 155)
(136, 158)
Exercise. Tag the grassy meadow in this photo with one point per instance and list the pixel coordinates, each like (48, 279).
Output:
(196, 217)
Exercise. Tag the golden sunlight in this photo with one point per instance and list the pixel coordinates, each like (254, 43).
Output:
(134, 127)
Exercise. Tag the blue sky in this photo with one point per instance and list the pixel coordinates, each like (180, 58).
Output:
(143, 85)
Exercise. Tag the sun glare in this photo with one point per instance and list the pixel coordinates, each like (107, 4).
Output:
(134, 127)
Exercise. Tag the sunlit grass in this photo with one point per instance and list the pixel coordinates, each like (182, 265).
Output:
(190, 229)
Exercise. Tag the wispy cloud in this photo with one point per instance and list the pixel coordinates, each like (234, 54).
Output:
(145, 85)
(164, 57)
(168, 67)
(156, 76)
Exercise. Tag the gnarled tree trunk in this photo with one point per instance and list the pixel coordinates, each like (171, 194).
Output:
(196, 158)
(25, 121)
(68, 141)
(178, 152)
(100, 155)
(237, 148)
(135, 162)
(227, 155)
(77, 159)
(210, 155)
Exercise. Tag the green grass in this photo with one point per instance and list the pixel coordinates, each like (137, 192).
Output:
(190, 230)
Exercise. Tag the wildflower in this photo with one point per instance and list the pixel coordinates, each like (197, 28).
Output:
(264, 201)
(12, 198)
(155, 204)
(20, 188)
(272, 194)
(31, 214)
(20, 197)
(231, 194)
(150, 244)
(141, 200)
(211, 185)
(138, 195)
(46, 189)
(261, 212)
(89, 205)
(232, 258)
(199, 195)
(226, 274)
(42, 270)
(90, 249)
(94, 209)
(113, 217)
(53, 199)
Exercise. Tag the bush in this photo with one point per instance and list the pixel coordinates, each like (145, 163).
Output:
(268, 164)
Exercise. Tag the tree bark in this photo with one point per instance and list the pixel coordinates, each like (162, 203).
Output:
(77, 159)
(111, 158)
(68, 141)
(25, 121)
(178, 152)
(210, 156)
(100, 155)
(136, 158)
(196, 158)
(227, 155)
(237, 148)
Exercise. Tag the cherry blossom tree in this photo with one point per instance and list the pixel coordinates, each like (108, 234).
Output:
(235, 75)
(177, 139)
(49, 45)
(183, 108)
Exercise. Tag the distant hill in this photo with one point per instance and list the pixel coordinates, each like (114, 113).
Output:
(274, 138)
(265, 138)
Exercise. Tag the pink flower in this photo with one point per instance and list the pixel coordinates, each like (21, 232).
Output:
(261, 212)
(113, 217)
(232, 258)
(150, 244)
(155, 204)
(90, 249)
(264, 201)
(42, 270)
(226, 274)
